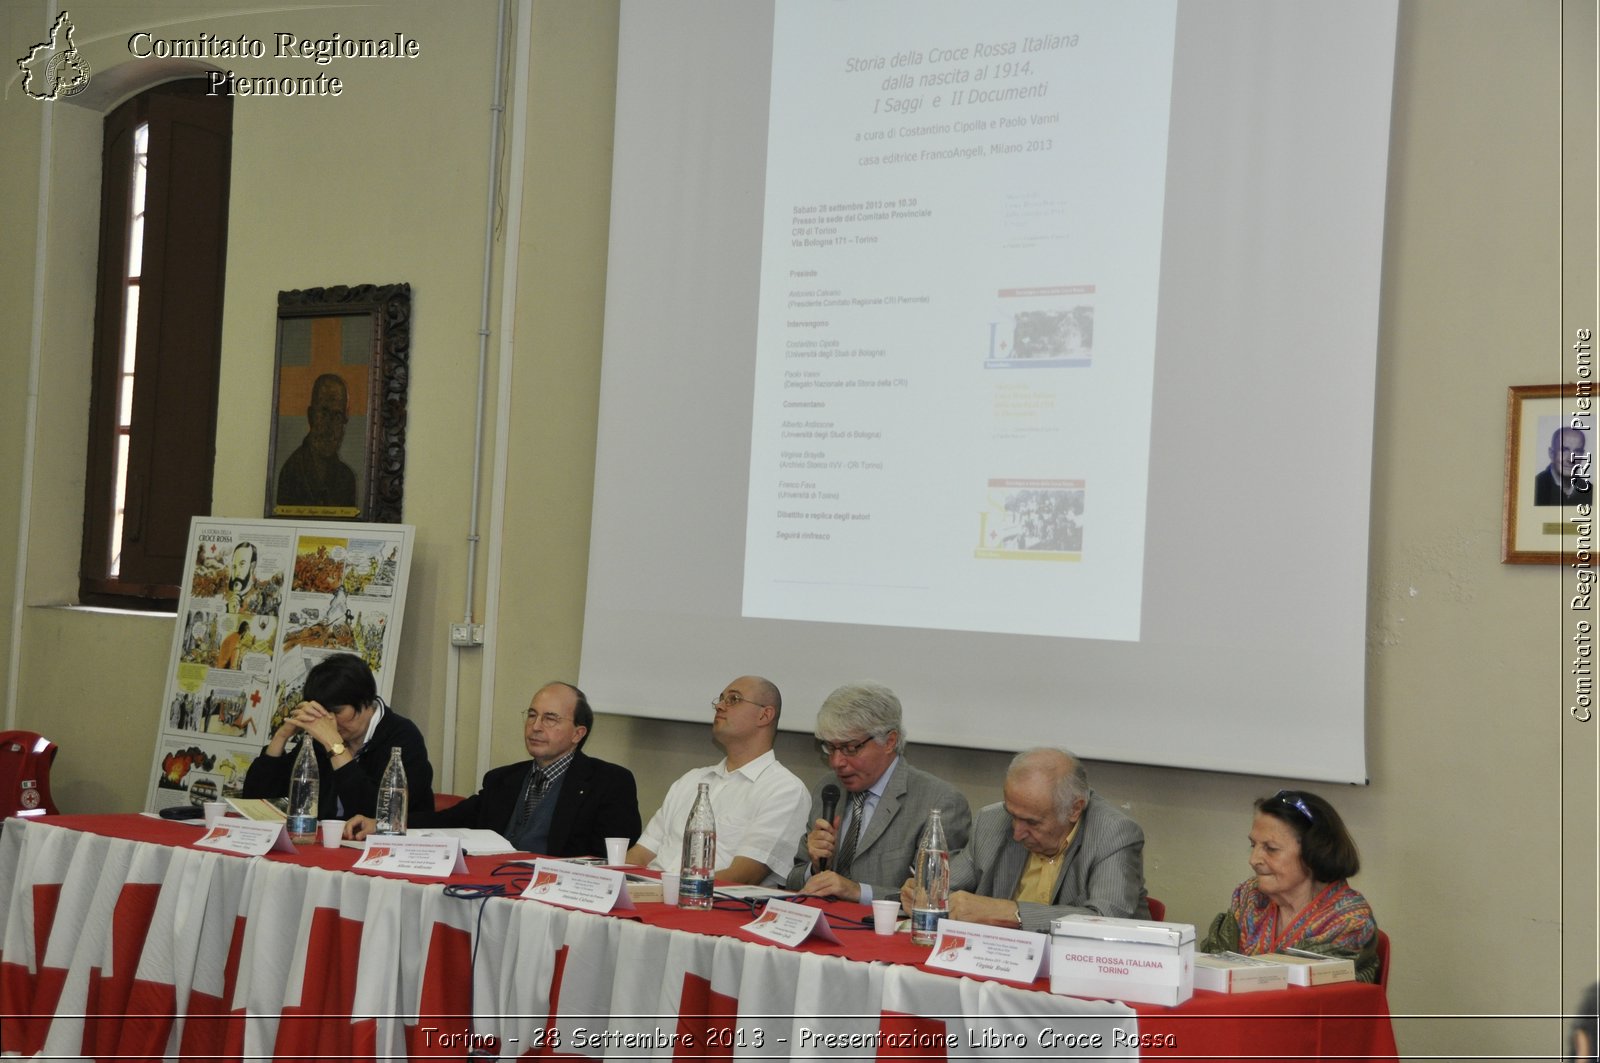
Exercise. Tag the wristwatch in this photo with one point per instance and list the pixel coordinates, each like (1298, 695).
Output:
(337, 749)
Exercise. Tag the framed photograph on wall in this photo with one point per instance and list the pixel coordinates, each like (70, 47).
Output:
(1549, 488)
(338, 444)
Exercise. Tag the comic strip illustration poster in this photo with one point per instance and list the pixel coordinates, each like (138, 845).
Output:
(263, 602)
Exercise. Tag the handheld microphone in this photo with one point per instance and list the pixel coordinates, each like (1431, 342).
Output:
(830, 804)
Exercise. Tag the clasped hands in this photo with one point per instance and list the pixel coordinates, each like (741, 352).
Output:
(312, 718)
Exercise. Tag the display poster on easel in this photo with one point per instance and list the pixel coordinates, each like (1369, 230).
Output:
(263, 601)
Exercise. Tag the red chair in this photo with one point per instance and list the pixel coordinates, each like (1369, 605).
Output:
(1158, 911)
(25, 759)
(444, 801)
(1383, 959)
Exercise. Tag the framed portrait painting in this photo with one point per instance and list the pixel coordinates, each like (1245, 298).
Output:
(337, 448)
(1549, 489)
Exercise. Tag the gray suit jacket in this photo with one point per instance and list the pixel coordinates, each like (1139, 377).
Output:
(889, 844)
(1102, 873)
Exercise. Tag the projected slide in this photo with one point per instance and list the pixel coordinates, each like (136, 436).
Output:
(986, 464)
(955, 348)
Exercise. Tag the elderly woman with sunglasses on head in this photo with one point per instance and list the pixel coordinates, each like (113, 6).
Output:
(1301, 855)
(351, 731)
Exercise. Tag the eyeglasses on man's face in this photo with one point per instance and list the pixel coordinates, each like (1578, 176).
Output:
(729, 698)
(846, 749)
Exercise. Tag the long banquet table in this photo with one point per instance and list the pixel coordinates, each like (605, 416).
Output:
(122, 940)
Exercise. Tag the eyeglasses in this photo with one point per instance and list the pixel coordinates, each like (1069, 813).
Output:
(848, 749)
(549, 719)
(728, 699)
(1292, 799)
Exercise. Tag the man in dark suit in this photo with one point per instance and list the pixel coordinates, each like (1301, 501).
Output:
(1051, 848)
(863, 851)
(1565, 481)
(562, 802)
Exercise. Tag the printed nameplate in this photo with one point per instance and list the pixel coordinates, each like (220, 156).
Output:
(402, 854)
(788, 924)
(246, 837)
(990, 951)
(590, 889)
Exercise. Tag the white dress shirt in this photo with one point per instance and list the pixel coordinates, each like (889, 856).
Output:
(760, 809)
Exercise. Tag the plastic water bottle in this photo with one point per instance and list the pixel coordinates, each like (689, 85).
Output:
(304, 795)
(392, 797)
(699, 853)
(930, 901)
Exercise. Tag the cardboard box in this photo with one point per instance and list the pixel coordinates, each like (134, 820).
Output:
(1310, 969)
(1231, 973)
(1122, 959)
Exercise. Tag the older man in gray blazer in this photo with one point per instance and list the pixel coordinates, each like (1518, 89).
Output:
(864, 850)
(1051, 848)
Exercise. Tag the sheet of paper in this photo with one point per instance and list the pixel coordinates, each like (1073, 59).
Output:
(257, 809)
(789, 924)
(404, 854)
(246, 837)
(990, 951)
(753, 892)
(474, 842)
(572, 885)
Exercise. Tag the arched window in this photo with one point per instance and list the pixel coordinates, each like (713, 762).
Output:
(158, 332)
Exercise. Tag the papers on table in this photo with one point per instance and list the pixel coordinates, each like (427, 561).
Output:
(753, 893)
(474, 842)
(257, 809)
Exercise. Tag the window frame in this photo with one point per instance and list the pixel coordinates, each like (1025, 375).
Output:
(177, 350)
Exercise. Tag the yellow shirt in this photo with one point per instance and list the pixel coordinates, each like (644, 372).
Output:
(1038, 882)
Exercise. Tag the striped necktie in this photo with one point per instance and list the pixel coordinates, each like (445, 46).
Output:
(536, 788)
(847, 852)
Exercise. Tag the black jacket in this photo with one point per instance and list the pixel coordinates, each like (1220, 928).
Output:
(598, 800)
(355, 784)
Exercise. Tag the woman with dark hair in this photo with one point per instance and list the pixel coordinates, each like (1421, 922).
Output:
(1301, 855)
(352, 731)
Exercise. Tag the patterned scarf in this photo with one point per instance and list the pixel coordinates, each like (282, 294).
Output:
(1337, 918)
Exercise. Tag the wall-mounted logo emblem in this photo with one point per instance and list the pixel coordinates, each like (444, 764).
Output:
(54, 69)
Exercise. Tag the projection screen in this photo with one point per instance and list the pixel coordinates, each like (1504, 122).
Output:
(1017, 355)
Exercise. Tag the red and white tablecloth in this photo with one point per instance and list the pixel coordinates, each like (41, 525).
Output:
(121, 940)
(153, 949)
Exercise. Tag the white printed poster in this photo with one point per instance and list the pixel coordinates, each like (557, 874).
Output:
(263, 602)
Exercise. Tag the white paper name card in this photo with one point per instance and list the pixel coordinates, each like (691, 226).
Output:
(245, 837)
(589, 889)
(400, 854)
(788, 924)
(990, 951)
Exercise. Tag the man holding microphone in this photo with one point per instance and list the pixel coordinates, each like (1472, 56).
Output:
(864, 850)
